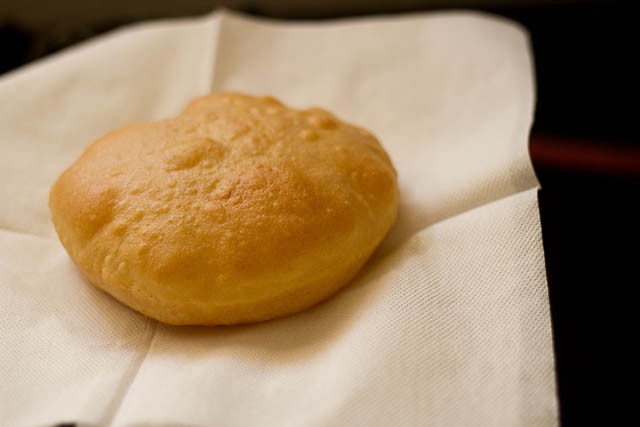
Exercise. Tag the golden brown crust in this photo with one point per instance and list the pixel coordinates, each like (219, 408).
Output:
(238, 210)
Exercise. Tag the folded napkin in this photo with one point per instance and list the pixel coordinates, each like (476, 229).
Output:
(447, 325)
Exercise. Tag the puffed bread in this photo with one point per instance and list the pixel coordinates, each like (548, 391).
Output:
(237, 210)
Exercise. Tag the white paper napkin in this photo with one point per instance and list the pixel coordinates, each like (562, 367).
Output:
(447, 325)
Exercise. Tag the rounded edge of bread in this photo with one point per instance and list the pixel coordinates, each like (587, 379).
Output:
(238, 210)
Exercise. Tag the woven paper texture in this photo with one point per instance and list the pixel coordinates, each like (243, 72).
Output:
(447, 325)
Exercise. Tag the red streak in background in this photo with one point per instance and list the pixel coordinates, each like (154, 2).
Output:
(585, 156)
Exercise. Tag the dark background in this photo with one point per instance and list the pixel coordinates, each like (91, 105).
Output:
(583, 145)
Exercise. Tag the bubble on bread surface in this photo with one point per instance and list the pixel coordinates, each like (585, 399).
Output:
(240, 209)
(320, 119)
(308, 135)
